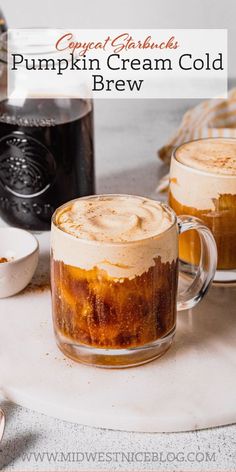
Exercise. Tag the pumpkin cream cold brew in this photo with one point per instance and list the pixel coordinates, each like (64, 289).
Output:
(114, 275)
(203, 184)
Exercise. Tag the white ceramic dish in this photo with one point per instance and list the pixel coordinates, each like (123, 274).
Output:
(21, 249)
(193, 386)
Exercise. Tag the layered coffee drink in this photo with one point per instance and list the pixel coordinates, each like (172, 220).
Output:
(203, 184)
(114, 277)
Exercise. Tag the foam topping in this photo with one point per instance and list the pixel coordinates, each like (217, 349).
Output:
(114, 218)
(213, 155)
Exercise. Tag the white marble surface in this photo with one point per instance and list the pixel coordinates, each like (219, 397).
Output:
(128, 134)
(174, 393)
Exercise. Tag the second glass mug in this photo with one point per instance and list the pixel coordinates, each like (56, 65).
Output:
(111, 313)
(209, 195)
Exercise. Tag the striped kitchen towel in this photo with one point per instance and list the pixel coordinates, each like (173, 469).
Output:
(211, 118)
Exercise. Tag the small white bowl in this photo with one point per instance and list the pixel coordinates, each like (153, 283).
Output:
(21, 249)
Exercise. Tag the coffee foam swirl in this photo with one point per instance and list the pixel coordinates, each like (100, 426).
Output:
(114, 219)
(212, 155)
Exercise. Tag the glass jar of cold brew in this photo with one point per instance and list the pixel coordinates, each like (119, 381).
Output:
(46, 154)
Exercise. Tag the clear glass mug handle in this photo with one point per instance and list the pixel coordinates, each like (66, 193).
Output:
(190, 296)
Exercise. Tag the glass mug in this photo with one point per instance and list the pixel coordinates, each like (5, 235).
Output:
(114, 278)
(203, 184)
